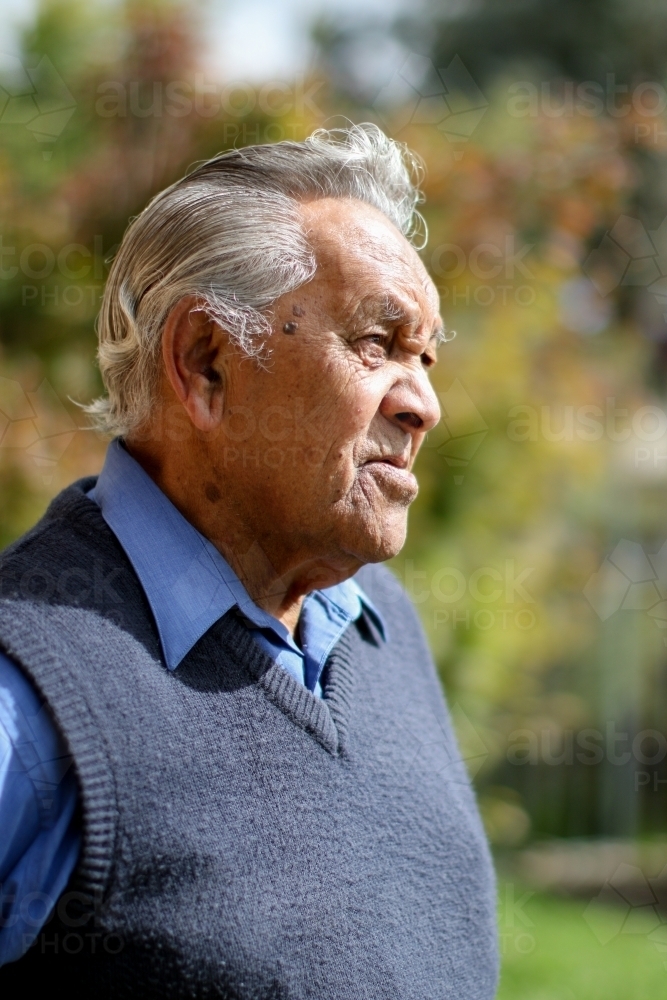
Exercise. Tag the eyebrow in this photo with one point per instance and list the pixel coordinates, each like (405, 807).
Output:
(388, 308)
(385, 308)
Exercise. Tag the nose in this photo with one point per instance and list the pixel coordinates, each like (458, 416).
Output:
(411, 404)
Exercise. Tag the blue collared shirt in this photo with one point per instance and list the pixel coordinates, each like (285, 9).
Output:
(189, 587)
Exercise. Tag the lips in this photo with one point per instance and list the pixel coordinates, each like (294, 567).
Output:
(392, 475)
(398, 461)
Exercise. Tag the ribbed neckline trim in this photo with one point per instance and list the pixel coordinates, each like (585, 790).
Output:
(327, 718)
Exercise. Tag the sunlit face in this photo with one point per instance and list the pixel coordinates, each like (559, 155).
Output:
(344, 402)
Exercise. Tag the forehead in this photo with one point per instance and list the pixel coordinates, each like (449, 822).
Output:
(360, 252)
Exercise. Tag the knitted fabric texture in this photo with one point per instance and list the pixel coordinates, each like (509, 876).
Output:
(243, 838)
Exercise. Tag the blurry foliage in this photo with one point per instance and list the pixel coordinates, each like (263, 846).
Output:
(580, 39)
(523, 483)
(536, 503)
(553, 954)
(130, 71)
(542, 494)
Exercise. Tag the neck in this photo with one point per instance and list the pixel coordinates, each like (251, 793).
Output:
(276, 577)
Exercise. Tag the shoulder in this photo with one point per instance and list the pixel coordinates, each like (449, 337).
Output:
(383, 588)
(70, 568)
(391, 600)
(69, 521)
(69, 546)
(406, 646)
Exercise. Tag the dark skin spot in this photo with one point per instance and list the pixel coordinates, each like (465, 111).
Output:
(290, 327)
(298, 311)
(212, 493)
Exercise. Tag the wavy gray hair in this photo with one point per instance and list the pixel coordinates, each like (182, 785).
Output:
(229, 234)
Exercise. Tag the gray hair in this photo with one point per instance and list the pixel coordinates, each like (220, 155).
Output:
(229, 234)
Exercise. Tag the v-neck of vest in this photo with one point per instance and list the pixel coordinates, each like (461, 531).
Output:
(325, 719)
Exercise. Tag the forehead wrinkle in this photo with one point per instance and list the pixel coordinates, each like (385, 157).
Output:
(349, 247)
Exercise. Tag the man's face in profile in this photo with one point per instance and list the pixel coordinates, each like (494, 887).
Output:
(344, 401)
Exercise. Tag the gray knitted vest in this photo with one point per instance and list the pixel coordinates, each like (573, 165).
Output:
(243, 838)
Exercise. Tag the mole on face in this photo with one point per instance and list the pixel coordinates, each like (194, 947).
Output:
(212, 493)
(298, 311)
(290, 327)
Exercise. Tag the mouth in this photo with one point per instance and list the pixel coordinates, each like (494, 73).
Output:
(392, 475)
(397, 461)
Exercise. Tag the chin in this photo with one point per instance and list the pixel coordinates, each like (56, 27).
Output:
(382, 541)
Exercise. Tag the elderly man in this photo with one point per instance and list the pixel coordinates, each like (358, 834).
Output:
(266, 800)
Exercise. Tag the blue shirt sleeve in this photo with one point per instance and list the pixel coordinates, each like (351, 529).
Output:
(40, 838)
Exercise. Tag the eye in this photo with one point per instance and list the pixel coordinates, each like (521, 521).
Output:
(372, 347)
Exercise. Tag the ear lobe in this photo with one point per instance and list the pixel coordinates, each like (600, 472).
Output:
(191, 350)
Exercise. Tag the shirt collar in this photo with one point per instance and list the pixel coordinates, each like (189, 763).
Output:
(188, 583)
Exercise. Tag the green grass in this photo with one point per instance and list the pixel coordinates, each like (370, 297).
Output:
(549, 951)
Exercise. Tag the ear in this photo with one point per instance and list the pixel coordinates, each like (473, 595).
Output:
(192, 345)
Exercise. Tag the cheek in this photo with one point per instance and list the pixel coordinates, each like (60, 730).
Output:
(318, 407)
(350, 404)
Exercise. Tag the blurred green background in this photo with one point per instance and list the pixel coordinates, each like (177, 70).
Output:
(535, 553)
